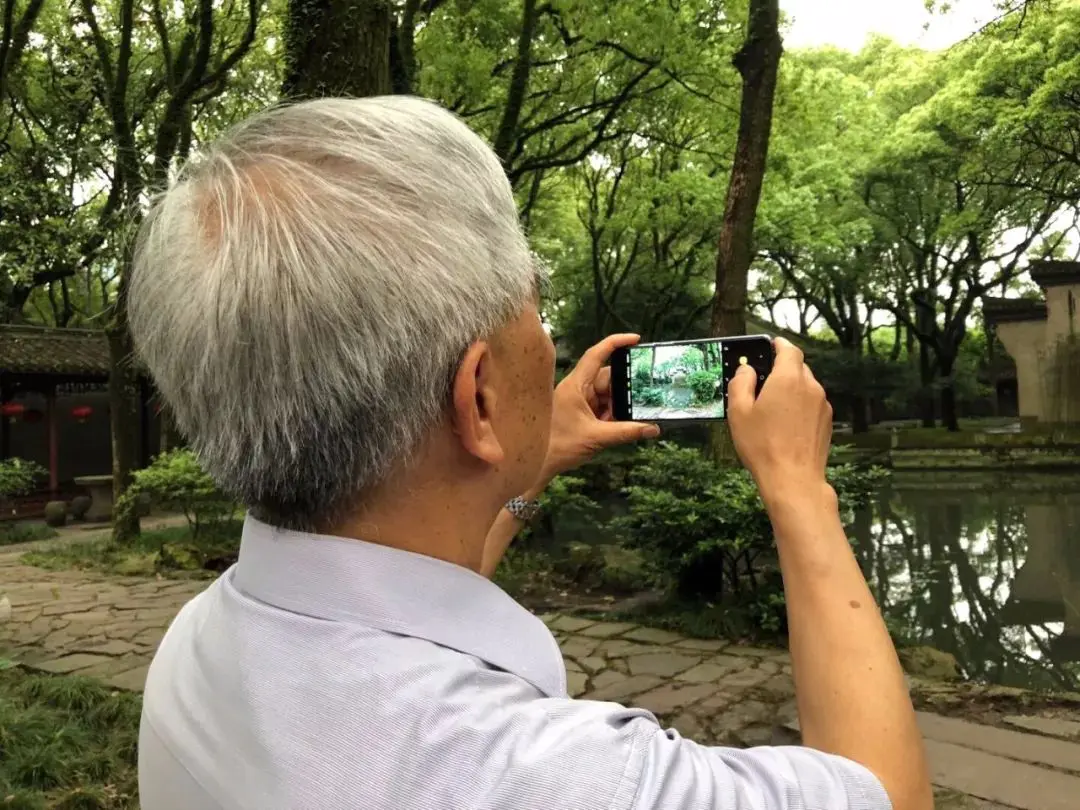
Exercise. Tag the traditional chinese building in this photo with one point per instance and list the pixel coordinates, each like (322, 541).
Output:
(54, 404)
(1043, 338)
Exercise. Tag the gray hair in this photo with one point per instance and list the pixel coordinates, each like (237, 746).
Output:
(304, 292)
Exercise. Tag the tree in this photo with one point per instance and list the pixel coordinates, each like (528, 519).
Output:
(17, 24)
(155, 65)
(758, 63)
(52, 231)
(338, 48)
(943, 198)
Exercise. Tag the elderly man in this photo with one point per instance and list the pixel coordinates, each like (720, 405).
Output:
(340, 308)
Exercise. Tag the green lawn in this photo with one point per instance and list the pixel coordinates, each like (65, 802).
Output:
(24, 532)
(170, 551)
(66, 743)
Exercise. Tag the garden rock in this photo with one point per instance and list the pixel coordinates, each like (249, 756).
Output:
(79, 506)
(56, 513)
(928, 663)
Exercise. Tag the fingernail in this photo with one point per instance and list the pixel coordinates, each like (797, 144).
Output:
(651, 432)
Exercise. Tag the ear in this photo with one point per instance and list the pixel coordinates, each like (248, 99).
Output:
(474, 402)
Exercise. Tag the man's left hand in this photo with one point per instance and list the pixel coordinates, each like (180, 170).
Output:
(582, 421)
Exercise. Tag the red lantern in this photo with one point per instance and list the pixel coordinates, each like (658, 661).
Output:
(32, 417)
(12, 410)
(81, 412)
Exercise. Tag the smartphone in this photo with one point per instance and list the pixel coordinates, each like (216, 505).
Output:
(683, 381)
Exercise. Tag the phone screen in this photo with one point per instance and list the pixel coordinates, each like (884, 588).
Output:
(686, 381)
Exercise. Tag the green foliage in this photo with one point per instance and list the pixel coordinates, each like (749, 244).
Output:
(177, 482)
(650, 397)
(66, 742)
(18, 476)
(12, 532)
(172, 552)
(700, 524)
(705, 528)
(566, 499)
(703, 384)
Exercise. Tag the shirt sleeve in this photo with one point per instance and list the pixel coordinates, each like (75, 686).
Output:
(678, 774)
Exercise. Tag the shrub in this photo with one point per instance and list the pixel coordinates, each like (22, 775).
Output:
(650, 397)
(177, 482)
(703, 384)
(704, 528)
(563, 497)
(701, 525)
(18, 476)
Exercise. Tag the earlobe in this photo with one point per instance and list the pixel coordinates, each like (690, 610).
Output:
(474, 404)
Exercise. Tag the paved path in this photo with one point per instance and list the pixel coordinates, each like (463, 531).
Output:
(715, 692)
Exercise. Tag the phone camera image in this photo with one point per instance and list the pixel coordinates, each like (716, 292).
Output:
(677, 382)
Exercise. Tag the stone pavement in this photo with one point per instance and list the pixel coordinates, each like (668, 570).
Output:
(713, 691)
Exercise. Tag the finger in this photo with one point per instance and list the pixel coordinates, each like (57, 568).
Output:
(789, 357)
(602, 383)
(612, 434)
(812, 384)
(597, 357)
(741, 391)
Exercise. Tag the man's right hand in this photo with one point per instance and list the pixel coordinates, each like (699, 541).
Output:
(851, 693)
(783, 435)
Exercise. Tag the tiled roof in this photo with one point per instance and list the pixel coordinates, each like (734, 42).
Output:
(1011, 310)
(1055, 273)
(40, 350)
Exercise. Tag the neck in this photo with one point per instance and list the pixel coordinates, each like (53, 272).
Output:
(428, 515)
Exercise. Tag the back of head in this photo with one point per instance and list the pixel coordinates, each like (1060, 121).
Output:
(304, 291)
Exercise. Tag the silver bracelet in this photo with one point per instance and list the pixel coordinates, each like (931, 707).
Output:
(523, 510)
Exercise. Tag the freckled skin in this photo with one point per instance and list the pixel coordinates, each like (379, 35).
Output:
(854, 604)
(524, 356)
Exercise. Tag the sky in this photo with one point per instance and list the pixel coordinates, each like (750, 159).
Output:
(847, 23)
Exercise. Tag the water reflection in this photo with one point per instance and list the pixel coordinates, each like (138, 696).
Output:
(988, 570)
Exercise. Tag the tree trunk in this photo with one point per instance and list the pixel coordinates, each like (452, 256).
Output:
(758, 62)
(925, 325)
(860, 419)
(948, 396)
(337, 48)
(506, 136)
(926, 387)
(124, 418)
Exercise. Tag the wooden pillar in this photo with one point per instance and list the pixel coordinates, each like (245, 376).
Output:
(54, 441)
(5, 428)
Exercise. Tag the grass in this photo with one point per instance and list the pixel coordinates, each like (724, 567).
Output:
(172, 551)
(66, 743)
(24, 532)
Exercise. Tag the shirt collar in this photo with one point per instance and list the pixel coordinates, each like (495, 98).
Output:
(397, 592)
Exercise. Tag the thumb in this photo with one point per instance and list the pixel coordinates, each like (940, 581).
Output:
(741, 393)
(611, 434)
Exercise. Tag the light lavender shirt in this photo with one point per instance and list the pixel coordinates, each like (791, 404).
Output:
(328, 674)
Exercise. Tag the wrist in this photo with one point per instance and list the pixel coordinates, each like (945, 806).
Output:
(797, 501)
(536, 490)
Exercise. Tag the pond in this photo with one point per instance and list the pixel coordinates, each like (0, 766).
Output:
(984, 567)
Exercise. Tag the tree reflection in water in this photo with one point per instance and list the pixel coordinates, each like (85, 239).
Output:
(988, 570)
